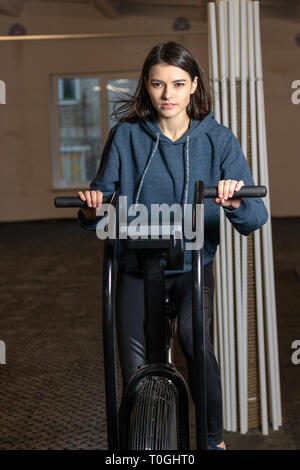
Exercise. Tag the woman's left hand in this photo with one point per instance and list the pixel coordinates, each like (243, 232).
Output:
(226, 189)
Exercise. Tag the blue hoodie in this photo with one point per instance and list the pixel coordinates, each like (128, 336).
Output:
(143, 164)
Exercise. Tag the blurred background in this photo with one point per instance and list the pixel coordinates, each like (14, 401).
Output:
(62, 64)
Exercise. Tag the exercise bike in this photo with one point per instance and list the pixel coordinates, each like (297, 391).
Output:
(154, 413)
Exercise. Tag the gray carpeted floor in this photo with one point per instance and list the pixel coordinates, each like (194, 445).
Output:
(52, 385)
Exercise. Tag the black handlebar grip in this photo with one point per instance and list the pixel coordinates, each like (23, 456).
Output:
(69, 202)
(75, 201)
(245, 191)
(209, 192)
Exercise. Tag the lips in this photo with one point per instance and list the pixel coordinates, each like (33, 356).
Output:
(168, 105)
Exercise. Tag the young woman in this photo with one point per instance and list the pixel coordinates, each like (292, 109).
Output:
(165, 140)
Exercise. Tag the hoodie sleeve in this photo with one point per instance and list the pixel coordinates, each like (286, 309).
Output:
(252, 213)
(107, 177)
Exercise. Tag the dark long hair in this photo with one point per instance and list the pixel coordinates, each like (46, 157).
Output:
(139, 106)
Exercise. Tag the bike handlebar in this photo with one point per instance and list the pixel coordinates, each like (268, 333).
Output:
(245, 191)
(75, 201)
(209, 192)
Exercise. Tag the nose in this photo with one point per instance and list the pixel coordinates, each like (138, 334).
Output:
(167, 92)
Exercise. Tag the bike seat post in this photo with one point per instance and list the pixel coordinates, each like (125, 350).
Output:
(154, 294)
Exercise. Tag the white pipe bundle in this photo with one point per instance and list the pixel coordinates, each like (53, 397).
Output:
(235, 57)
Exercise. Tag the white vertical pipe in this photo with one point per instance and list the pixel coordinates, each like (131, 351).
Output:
(267, 238)
(257, 245)
(234, 71)
(218, 289)
(213, 42)
(223, 71)
(233, 119)
(272, 289)
(243, 56)
(266, 228)
(270, 245)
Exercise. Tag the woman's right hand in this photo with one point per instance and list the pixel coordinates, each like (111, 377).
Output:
(93, 200)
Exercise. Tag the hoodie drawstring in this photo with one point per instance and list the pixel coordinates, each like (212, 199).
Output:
(146, 169)
(186, 172)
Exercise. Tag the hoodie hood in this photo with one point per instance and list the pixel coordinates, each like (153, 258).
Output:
(153, 129)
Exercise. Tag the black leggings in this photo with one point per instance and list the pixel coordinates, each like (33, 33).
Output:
(130, 333)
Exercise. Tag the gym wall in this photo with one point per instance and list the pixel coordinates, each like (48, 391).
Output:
(26, 127)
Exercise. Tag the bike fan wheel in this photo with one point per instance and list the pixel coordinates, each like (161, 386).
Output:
(154, 418)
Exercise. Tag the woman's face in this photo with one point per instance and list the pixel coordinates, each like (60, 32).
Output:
(170, 89)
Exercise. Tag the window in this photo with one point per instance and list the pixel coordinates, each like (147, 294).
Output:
(78, 130)
(82, 108)
(68, 90)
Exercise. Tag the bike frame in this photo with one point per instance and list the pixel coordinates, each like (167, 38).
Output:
(156, 354)
(155, 344)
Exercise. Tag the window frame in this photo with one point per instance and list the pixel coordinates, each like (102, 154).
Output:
(103, 77)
